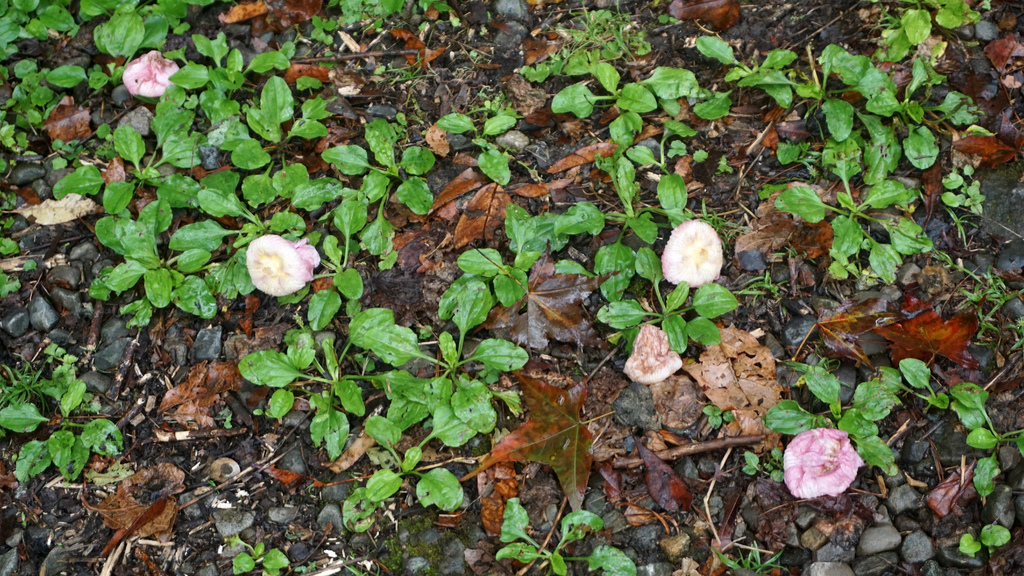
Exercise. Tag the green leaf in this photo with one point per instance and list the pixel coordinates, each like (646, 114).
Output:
(417, 160)
(714, 47)
(494, 164)
(500, 355)
(824, 385)
(968, 546)
(607, 75)
(348, 159)
(455, 123)
(471, 403)
(440, 488)
(715, 107)
(415, 194)
(66, 76)
(675, 328)
(874, 399)
(329, 428)
(622, 314)
(349, 283)
(191, 76)
(250, 155)
(577, 99)
(856, 424)
(281, 402)
(322, 307)
(839, 118)
(267, 61)
(982, 438)
(994, 535)
(921, 148)
(612, 560)
(672, 83)
(158, 286)
(33, 458)
(102, 437)
(484, 262)
(194, 297)
(648, 265)
(84, 181)
(917, 24)
(122, 34)
(787, 417)
(21, 418)
(382, 485)
(518, 551)
(875, 452)
(888, 193)
(204, 235)
(984, 475)
(916, 373)
(375, 330)
(472, 304)
(703, 331)
(269, 368)
(802, 201)
(117, 196)
(712, 300)
(513, 526)
(499, 124)
(381, 137)
(884, 261)
(636, 98)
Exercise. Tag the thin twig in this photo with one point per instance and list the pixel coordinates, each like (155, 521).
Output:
(356, 56)
(122, 369)
(690, 449)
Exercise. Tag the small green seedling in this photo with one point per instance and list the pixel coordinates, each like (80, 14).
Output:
(993, 536)
(273, 560)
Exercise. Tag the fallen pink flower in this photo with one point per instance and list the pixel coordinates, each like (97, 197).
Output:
(280, 267)
(149, 75)
(693, 254)
(652, 360)
(820, 462)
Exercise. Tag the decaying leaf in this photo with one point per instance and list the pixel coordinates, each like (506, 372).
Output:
(664, 485)
(496, 484)
(722, 14)
(243, 11)
(739, 375)
(412, 42)
(1001, 51)
(296, 71)
(67, 121)
(925, 334)
(552, 435)
(194, 398)
(437, 140)
(678, 402)
(550, 309)
(988, 151)
(467, 181)
(66, 209)
(137, 494)
(283, 14)
(482, 216)
(115, 171)
(841, 330)
(583, 156)
(774, 229)
(956, 489)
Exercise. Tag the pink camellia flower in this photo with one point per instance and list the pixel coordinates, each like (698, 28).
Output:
(280, 267)
(820, 462)
(652, 360)
(149, 75)
(693, 254)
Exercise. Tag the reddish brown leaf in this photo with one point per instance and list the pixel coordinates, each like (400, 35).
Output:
(243, 11)
(583, 156)
(283, 14)
(722, 14)
(988, 148)
(925, 334)
(194, 397)
(67, 121)
(288, 478)
(155, 510)
(840, 330)
(296, 71)
(1000, 51)
(954, 490)
(552, 435)
(499, 484)
(612, 481)
(115, 171)
(552, 309)
(931, 185)
(135, 507)
(482, 216)
(664, 485)
(529, 190)
(466, 181)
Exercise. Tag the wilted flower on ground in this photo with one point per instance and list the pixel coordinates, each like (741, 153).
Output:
(149, 75)
(819, 462)
(280, 267)
(693, 254)
(652, 360)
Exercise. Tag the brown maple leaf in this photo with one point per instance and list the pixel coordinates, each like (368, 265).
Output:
(925, 334)
(552, 435)
(552, 309)
(841, 330)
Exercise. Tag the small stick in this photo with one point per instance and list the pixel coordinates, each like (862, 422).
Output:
(356, 56)
(690, 449)
(94, 326)
(122, 370)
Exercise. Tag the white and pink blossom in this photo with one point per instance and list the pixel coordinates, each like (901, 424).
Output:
(820, 462)
(693, 254)
(149, 75)
(280, 267)
(652, 360)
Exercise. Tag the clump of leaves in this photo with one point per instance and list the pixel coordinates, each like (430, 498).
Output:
(26, 395)
(575, 525)
(272, 561)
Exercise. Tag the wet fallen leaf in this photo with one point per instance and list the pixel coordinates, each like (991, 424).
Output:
(925, 334)
(296, 71)
(194, 398)
(988, 150)
(283, 14)
(612, 481)
(1002, 50)
(115, 171)
(529, 190)
(353, 453)
(243, 11)
(437, 140)
(774, 229)
(739, 375)
(482, 216)
(956, 490)
(583, 156)
(526, 99)
(841, 330)
(67, 209)
(551, 309)
(467, 181)
(290, 479)
(499, 484)
(722, 14)
(412, 42)
(67, 121)
(664, 485)
(678, 402)
(135, 504)
(931, 187)
(552, 435)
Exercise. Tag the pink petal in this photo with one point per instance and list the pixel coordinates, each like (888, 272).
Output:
(279, 267)
(149, 75)
(820, 462)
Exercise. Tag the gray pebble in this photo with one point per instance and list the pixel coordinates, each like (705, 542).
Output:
(878, 539)
(209, 156)
(1012, 256)
(1009, 457)
(109, 356)
(84, 252)
(67, 300)
(751, 260)
(459, 142)
(511, 9)
(330, 514)
(229, 521)
(66, 275)
(9, 562)
(416, 566)
(293, 461)
(41, 314)
(336, 492)
(207, 344)
(138, 119)
(60, 337)
(917, 547)
(829, 569)
(120, 95)
(794, 332)
(950, 557)
(282, 514)
(656, 569)
(96, 382)
(1013, 309)
(875, 565)
(985, 31)
(26, 172)
(513, 140)
(16, 322)
(113, 329)
(382, 111)
(831, 552)
(635, 407)
(999, 507)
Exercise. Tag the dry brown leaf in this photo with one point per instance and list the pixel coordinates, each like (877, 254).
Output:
(529, 190)
(722, 14)
(583, 156)
(67, 121)
(482, 215)
(467, 181)
(67, 209)
(739, 375)
(136, 494)
(115, 171)
(437, 140)
(283, 14)
(678, 401)
(243, 11)
(203, 388)
(497, 484)
(296, 71)
(353, 453)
